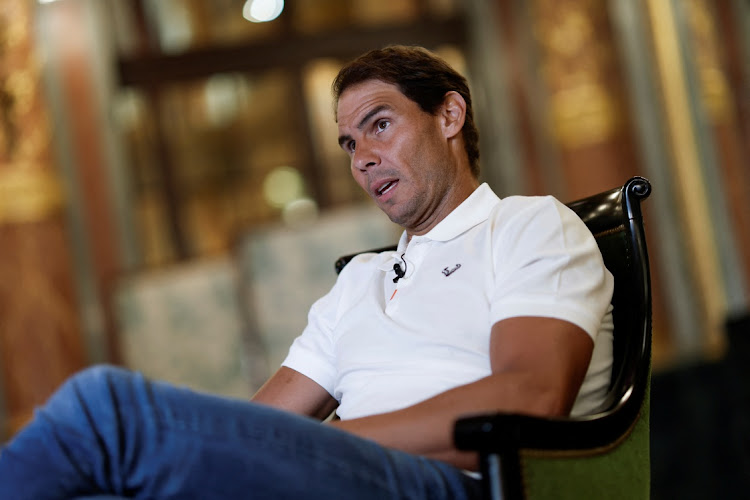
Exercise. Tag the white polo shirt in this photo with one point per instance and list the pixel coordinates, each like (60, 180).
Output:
(378, 346)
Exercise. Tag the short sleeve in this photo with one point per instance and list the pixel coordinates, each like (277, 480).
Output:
(312, 353)
(547, 263)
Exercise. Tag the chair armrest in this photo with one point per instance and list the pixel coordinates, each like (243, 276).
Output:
(506, 432)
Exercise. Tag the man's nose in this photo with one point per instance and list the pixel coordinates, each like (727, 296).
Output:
(365, 157)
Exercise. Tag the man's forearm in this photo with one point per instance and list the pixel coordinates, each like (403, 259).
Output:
(397, 430)
(427, 427)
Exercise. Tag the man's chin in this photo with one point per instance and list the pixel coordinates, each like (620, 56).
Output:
(397, 214)
(396, 218)
(388, 210)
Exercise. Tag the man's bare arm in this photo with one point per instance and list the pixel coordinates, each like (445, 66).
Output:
(289, 390)
(538, 365)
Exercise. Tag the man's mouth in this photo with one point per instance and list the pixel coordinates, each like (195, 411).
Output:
(385, 187)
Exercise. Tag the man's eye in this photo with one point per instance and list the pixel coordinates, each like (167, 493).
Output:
(352, 146)
(383, 124)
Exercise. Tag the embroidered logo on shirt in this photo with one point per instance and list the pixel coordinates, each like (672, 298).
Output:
(448, 272)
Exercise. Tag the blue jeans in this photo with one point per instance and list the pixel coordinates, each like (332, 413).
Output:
(111, 431)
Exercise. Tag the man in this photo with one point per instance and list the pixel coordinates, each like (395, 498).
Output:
(487, 305)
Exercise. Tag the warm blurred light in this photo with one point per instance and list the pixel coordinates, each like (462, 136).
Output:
(261, 11)
(300, 212)
(127, 108)
(282, 186)
(223, 97)
(174, 25)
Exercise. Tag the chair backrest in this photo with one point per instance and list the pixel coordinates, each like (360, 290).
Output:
(614, 218)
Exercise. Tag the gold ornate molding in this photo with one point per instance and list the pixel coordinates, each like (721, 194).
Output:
(28, 193)
(30, 190)
(14, 24)
(582, 115)
(575, 62)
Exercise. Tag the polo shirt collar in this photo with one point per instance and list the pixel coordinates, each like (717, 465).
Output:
(472, 211)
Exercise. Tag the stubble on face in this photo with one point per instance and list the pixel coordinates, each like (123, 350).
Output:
(412, 151)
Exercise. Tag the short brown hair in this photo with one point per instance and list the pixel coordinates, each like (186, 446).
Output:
(421, 76)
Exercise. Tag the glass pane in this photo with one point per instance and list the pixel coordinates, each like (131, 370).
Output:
(223, 138)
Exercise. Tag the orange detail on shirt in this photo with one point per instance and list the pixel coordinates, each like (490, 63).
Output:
(394, 293)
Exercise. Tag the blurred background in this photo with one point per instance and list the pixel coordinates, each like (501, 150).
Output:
(172, 196)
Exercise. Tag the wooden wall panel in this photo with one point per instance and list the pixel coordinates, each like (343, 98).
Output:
(575, 131)
(725, 93)
(588, 112)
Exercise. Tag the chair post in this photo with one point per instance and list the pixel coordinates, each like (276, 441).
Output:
(512, 476)
(502, 479)
(499, 452)
(491, 478)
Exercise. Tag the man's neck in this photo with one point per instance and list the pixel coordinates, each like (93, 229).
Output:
(458, 196)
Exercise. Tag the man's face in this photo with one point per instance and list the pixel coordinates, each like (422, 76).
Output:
(399, 153)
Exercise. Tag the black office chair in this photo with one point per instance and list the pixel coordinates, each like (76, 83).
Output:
(605, 454)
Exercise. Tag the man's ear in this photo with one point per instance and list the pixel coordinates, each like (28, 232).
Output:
(452, 114)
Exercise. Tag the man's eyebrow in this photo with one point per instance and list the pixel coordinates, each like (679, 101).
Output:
(374, 111)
